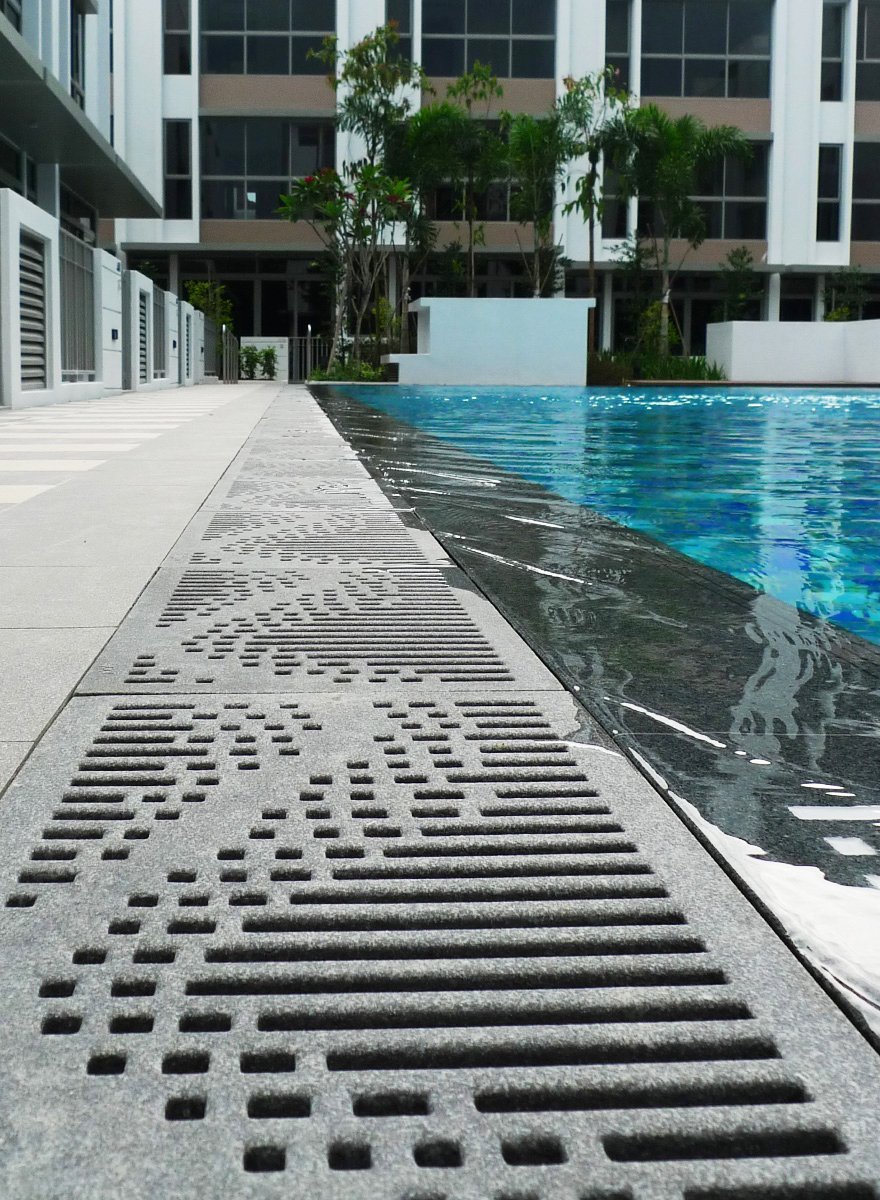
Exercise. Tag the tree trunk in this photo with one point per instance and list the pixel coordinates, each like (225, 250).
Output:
(591, 316)
(403, 305)
(664, 314)
(338, 321)
(537, 267)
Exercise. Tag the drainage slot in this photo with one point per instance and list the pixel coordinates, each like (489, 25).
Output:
(737, 1144)
(278, 1107)
(535, 1150)
(392, 1104)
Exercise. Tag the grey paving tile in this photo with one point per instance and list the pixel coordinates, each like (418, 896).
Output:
(12, 755)
(39, 669)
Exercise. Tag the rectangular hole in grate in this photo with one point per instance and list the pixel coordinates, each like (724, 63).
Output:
(132, 1023)
(267, 1062)
(533, 1150)
(794, 1191)
(752, 1143)
(186, 1108)
(184, 1062)
(280, 1106)
(133, 987)
(392, 1104)
(632, 1096)
(61, 1024)
(106, 1064)
(457, 1058)
(439, 1154)
(264, 1158)
(205, 1022)
(57, 989)
(349, 1156)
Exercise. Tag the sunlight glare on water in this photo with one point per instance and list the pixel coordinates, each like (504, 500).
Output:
(778, 489)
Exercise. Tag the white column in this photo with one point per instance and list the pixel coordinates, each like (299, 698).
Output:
(774, 293)
(607, 331)
(819, 299)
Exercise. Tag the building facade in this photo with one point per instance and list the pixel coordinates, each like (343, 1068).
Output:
(73, 322)
(209, 108)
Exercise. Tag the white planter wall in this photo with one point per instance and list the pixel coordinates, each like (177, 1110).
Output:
(499, 342)
(797, 353)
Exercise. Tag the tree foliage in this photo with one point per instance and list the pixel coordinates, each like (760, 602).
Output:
(212, 299)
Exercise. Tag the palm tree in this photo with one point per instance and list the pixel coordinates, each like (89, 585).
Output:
(663, 162)
(593, 114)
(536, 156)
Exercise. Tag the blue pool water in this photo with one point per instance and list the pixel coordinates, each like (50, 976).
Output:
(779, 489)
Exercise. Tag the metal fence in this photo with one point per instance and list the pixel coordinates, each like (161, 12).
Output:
(213, 365)
(308, 354)
(159, 334)
(229, 352)
(77, 309)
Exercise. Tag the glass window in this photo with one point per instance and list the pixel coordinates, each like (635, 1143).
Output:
(443, 16)
(662, 26)
(400, 12)
(868, 51)
(529, 17)
(268, 56)
(832, 51)
(828, 207)
(274, 44)
(223, 55)
(515, 37)
(11, 9)
(77, 55)
(705, 28)
(178, 170)
(268, 15)
(866, 171)
(443, 56)
(706, 47)
(222, 14)
(617, 19)
(177, 41)
(313, 15)
(489, 16)
(491, 52)
(248, 163)
(533, 60)
(751, 23)
(704, 76)
(733, 196)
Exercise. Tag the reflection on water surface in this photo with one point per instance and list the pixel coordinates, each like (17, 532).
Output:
(721, 679)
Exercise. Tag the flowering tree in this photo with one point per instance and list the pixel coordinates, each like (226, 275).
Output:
(351, 213)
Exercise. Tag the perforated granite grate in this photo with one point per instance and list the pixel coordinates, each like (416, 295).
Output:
(393, 942)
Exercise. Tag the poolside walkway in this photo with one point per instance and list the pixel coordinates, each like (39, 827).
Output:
(93, 495)
(321, 884)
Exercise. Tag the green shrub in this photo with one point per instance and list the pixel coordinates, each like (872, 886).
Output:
(660, 367)
(607, 369)
(351, 372)
(250, 361)
(269, 362)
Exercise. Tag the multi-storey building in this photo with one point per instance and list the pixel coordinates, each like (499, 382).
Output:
(73, 323)
(214, 106)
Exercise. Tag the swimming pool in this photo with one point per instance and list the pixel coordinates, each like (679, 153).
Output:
(779, 489)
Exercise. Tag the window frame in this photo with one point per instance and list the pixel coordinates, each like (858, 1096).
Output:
(862, 203)
(242, 180)
(12, 11)
(176, 36)
(466, 39)
(176, 177)
(250, 39)
(728, 58)
(867, 66)
(830, 204)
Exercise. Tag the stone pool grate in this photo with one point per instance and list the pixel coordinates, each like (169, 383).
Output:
(409, 938)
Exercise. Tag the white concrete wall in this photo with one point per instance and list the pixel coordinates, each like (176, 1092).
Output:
(800, 353)
(516, 342)
(281, 346)
(17, 214)
(108, 270)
